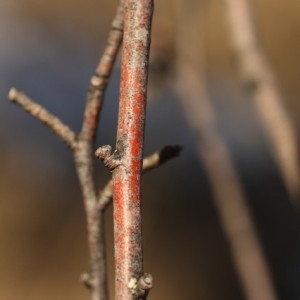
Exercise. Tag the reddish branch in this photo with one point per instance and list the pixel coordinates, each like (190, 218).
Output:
(127, 159)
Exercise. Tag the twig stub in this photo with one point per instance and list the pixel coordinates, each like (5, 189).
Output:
(140, 288)
(85, 278)
(111, 159)
(12, 95)
(169, 152)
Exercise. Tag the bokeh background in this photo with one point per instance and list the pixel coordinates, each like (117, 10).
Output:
(49, 50)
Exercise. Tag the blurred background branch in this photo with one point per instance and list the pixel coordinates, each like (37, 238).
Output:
(235, 217)
(259, 81)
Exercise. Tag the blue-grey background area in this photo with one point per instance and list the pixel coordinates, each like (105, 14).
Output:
(49, 50)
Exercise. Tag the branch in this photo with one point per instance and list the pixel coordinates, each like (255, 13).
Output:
(261, 84)
(99, 80)
(129, 146)
(40, 113)
(83, 147)
(161, 157)
(153, 161)
(85, 162)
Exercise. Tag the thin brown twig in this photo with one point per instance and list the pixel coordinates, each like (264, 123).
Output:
(85, 162)
(153, 161)
(40, 113)
(160, 157)
(99, 80)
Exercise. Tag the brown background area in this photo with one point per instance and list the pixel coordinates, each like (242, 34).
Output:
(49, 50)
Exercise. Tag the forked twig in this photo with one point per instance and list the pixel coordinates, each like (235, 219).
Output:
(126, 161)
(83, 146)
(85, 162)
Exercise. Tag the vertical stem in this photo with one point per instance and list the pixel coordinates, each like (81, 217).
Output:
(99, 81)
(97, 280)
(85, 163)
(129, 148)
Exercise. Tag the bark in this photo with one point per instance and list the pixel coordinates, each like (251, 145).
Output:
(127, 159)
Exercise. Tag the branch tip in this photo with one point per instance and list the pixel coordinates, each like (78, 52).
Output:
(42, 114)
(13, 94)
(169, 152)
(103, 152)
(108, 157)
(85, 278)
(146, 281)
(96, 81)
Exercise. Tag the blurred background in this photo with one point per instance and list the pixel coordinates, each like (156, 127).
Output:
(49, 50)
